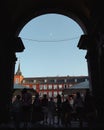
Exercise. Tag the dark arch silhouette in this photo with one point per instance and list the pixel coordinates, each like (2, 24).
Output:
(15, 14)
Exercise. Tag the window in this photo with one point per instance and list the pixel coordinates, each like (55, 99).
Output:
(55, 86)
(60, 81)
(34, 87)
(55, 94)
(55, 80)
(45, 80)
(51, 81)
(75, 80)
(45, 87)
(34, 81)
(50, 86)
(60, 86)
(60, 92)
(65, 80)
(23, 81)
(50, 94)
(70, 80)
(41, 87)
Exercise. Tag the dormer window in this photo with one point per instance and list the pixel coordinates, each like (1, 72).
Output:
(75, 80)
(45, 80)
(23, 81)
(17, 81)
(34, 81)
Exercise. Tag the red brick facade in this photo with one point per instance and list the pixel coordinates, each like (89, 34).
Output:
(48, 85)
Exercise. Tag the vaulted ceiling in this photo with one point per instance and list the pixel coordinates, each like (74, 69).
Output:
(16, 13)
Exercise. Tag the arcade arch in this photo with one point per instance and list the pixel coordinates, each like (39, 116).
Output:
(15, 14)
(65, 37)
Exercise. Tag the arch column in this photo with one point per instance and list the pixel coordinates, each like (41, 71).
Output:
(100, 88)
(7, 67)
(95, 61)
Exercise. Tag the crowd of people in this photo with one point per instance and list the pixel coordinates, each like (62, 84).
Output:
(47, 110)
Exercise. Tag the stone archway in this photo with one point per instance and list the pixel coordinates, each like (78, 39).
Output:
(92, 56)
(15, 14)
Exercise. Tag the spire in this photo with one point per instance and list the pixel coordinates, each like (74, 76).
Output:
(18, 70)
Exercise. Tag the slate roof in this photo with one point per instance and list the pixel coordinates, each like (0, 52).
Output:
(82, 85)
(18, 86)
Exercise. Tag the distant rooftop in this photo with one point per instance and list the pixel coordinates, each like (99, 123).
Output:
(18, 86)
(82, 85)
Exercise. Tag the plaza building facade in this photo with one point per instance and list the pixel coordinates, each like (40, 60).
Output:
(52, 85)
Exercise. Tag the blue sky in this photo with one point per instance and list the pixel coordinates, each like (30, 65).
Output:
(50, 42)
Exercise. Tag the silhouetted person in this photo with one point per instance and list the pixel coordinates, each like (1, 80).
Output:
(59, 105)
(16, 109)
(79, 107)
(44, 103)
(26, 106)
(66, 113)
(37, 114)
(51, 110)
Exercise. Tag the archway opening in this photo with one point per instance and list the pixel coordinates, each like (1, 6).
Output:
(51, 45)
(51, 50)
